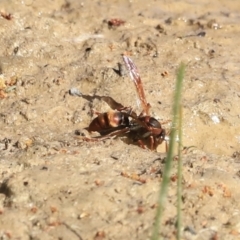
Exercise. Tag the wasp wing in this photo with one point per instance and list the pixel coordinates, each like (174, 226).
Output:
(137, 82)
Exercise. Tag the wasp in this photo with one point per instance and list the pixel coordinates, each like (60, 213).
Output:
(141, 128)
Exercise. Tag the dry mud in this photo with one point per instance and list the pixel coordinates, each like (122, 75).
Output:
(54, 186)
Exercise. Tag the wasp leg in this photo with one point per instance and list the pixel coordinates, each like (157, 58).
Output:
(165, 122)
(141, 144)
(95, 112)
(110, 135)
(166, 146)
(128, 109)
(166, 139)
(152, 143)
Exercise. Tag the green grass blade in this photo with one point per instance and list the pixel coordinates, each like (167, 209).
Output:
(168, 165)
(179, 183)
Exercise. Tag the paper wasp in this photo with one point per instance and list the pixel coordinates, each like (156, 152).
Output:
(142, 128)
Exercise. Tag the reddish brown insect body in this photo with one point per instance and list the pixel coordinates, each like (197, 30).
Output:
(141, 128)
(108, 120)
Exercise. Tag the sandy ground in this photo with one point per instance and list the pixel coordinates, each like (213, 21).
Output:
(54, 186)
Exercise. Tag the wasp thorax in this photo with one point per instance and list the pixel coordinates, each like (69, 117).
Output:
(154, 123)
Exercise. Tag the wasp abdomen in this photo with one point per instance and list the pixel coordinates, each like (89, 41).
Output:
(107, 120)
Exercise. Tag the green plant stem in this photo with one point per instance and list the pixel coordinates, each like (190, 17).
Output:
(168, 165)
(179, 182)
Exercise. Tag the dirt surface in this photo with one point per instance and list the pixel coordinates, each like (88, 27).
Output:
(55, 186)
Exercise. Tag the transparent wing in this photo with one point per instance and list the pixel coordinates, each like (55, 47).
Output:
(137, 82)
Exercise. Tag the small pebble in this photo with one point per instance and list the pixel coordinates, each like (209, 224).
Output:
(75, 92)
